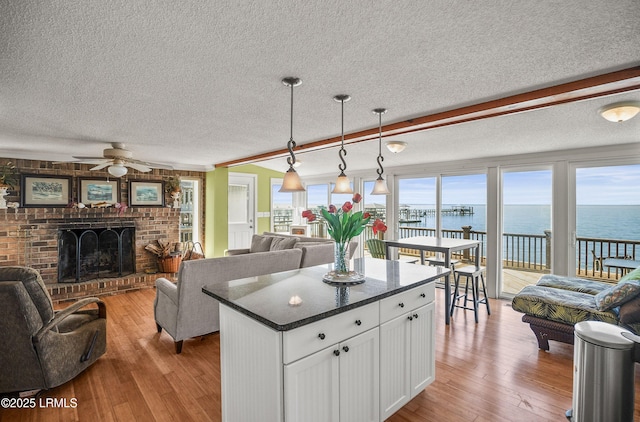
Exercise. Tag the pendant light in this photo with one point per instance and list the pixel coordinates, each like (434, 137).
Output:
(291, 181)
(342, 182)
(380, 188)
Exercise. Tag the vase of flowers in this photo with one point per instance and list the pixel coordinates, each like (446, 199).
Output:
(343, 224)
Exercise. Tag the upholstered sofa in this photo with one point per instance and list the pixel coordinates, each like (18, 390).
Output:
(315, 250)
(183, 311)
(555, 304)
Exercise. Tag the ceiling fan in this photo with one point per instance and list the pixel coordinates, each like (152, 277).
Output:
(116, 159)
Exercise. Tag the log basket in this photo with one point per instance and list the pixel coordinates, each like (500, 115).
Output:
(169, 264)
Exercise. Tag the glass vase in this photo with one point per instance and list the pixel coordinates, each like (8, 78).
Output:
(342, 274)
(341, 261)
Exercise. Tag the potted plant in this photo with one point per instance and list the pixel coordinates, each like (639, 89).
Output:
(8, 179)
(8, 175)
(172, 186)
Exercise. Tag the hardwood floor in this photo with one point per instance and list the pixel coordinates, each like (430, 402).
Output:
(490, 371)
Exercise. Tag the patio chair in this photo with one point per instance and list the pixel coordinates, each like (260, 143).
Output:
(376, 248)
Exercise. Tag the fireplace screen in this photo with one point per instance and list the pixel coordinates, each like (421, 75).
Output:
(86, 254)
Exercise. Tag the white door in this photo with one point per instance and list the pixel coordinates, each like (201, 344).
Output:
(241, 208)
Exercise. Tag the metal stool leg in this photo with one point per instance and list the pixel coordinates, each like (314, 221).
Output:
(484, 292)
(474, 291)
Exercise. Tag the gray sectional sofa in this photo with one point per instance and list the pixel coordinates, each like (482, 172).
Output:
(183, 311)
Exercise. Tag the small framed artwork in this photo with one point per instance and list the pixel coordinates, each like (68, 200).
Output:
(45, 191)
(146, 194)
(98, 191)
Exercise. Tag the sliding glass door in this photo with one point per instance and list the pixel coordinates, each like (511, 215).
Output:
(607, 220)
(526, 228)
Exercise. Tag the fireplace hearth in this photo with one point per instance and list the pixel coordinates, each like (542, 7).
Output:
(87, 253)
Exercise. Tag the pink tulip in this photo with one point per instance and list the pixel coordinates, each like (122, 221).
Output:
(332, 209)
(356, 198)
(346, 207)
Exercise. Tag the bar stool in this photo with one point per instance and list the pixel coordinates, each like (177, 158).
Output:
(476, 276)
(439, 262)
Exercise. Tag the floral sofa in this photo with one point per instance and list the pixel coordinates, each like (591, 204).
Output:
(555, 304)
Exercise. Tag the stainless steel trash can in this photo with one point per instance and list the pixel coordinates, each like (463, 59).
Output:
(603, 374)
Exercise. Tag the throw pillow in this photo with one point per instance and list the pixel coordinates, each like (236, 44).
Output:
(280, 243)
(630, 311)
(260, 243)
(617, 295)
(633, 275)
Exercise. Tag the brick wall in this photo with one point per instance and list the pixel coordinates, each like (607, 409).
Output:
(29, 236)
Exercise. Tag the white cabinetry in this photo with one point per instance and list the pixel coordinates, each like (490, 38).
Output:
(358, 365)
(339, 383)
(407, 347)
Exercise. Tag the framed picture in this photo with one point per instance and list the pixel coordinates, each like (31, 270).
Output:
(146, 194)
(45, 191)
(98, 191)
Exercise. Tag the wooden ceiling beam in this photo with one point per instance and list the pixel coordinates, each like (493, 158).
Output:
(597, 86)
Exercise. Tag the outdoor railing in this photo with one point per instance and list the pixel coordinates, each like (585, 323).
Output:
(531, 252)
(527, 252)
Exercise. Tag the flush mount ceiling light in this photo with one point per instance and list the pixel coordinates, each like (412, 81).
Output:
(342, 183)
(380, 188)
(291, 181)
(396, 146)
(620, 112)
(117, 169)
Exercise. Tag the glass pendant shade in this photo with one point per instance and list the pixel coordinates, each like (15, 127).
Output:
(380, 187)
(291, 182)
(117, 170)
(343, 185)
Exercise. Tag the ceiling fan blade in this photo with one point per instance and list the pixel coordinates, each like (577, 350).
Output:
(137, 166)
(152, 165)
(100, 166)
(88, 158)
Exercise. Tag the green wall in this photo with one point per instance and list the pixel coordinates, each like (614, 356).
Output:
(216, 230)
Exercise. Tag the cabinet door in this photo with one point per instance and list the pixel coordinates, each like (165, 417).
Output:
(395, 365)
(311, 387)
(359, 378)
(422, 348)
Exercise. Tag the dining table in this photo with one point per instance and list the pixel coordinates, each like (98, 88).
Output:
(443, 245)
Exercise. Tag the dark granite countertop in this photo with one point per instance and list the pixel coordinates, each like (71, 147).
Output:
(267, 298)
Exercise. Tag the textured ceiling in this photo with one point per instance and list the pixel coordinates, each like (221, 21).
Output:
(195, 83)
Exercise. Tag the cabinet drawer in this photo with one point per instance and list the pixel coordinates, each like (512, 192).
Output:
(316, 336)
(394, 306)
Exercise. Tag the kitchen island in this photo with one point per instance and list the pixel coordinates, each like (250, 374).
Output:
(294, 348)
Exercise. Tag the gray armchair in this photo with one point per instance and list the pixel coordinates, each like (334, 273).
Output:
(42, 348)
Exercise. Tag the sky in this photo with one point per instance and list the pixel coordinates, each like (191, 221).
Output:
(613, 185)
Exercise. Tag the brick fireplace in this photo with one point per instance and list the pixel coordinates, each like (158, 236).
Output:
(30, 236)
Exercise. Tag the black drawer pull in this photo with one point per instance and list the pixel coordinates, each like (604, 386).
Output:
(415, 316)
(358, 322)
(423, 295)
(401, 305)
(321, 336)
(346, 349)
(410, 318)
(336, 352)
